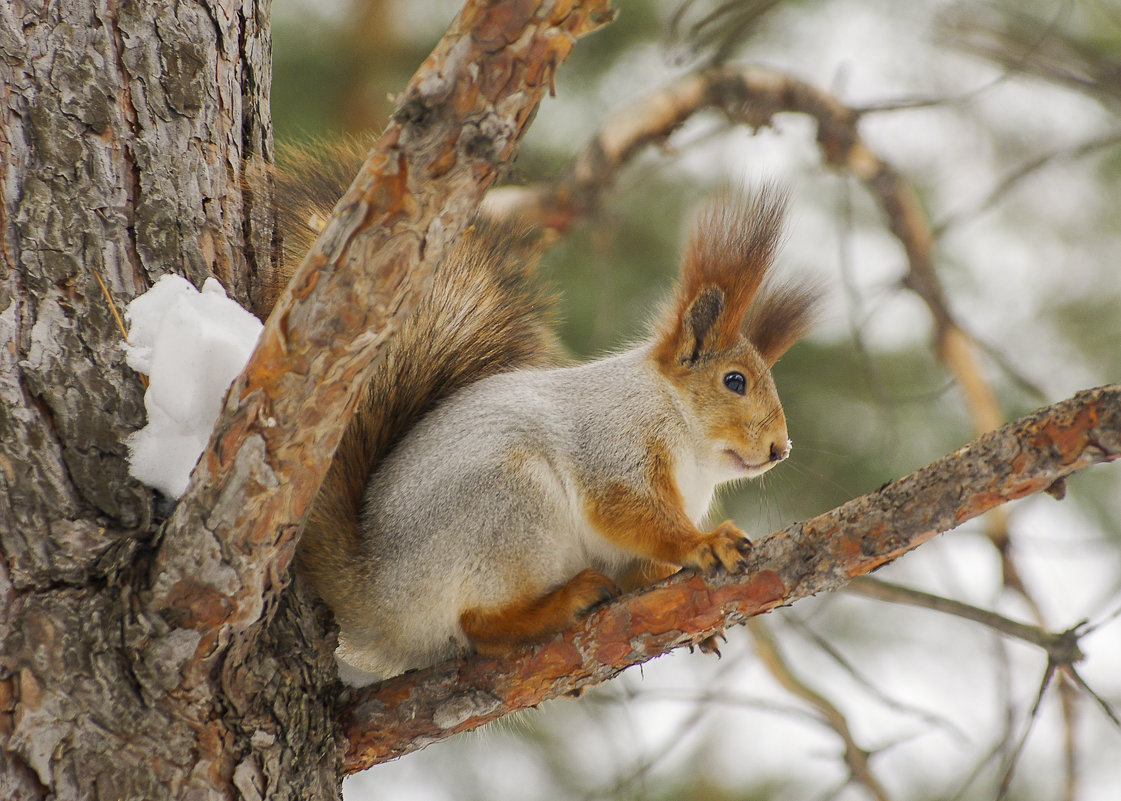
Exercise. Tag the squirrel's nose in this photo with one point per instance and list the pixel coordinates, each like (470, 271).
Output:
(780, 451)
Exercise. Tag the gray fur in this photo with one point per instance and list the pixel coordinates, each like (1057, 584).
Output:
(497, 468)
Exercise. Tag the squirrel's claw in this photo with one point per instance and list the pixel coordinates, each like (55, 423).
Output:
(727, 546)
(711, 644)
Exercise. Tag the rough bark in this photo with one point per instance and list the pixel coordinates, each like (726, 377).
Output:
(142, 658)
(123, 128)
(822, 554)
(118, 152)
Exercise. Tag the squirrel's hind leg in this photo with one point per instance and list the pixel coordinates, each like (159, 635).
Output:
(495, 631)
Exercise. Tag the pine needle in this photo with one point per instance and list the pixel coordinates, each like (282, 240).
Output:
(117, 317)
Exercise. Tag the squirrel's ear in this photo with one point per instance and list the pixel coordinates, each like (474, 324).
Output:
(699, 325)
(731, 246)
(779, 316)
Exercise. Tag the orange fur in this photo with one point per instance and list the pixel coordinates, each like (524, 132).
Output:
(536, 617)
(780, 315)
(724, 296)
(645, 572)
(654, 525)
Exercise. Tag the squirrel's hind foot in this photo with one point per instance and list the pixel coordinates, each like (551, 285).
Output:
(499, 630)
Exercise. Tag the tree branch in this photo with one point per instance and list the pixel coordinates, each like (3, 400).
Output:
(753, 96)
(408, 712)
(226, 551)
(1061, 647)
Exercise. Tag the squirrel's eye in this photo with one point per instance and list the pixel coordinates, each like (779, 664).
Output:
(735, 382)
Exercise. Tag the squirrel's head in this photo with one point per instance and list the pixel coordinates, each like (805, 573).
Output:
(728, 326)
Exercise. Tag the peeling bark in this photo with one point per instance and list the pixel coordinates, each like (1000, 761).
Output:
(1030, 455)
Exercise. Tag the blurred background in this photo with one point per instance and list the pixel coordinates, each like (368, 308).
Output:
(1005, 119)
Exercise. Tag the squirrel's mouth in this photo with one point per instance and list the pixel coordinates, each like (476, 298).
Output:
(743, 466)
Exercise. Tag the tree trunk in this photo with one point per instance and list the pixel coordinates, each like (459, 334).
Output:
(124, 128)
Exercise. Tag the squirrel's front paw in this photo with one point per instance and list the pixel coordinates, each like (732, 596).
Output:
(727, 546)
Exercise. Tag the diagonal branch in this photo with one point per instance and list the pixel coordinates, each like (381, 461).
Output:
(224, 555)
(1028, 456)
(753, 96)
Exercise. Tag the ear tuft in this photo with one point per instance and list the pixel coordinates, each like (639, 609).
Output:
(731, 246)
(781, 315)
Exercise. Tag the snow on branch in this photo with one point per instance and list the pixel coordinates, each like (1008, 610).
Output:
(1033, 454)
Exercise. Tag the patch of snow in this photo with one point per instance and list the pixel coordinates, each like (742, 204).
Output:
(191, 345)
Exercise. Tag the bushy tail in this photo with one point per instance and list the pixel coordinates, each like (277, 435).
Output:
(484, 314)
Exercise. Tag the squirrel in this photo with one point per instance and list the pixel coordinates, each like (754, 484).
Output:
(485, 496)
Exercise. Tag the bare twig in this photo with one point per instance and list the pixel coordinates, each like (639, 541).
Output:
(1061, 647)
(1068, 697)
(1110, 712)
(1014, 757)
(891, 703)
(116, 317)
(649, 761)
(1021, 43)
(1022, 172)
(855, 757)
